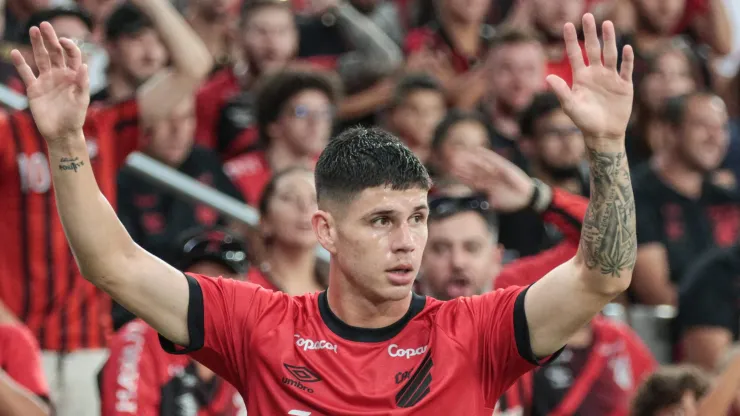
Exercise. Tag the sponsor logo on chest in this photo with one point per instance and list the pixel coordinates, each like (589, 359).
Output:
(395, 351)
(309, 344)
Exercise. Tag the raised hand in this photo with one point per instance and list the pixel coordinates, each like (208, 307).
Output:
(600, 102)
(508, 188)
(60, 94)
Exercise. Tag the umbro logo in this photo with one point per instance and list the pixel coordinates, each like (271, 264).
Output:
(300, 375)
(418, 385)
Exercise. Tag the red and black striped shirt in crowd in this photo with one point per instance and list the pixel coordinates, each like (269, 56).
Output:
(41, 283)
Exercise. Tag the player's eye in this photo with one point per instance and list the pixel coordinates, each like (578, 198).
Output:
(418, 219)
(381, 221)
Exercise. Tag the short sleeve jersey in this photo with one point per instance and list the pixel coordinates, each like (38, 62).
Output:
(292, 356)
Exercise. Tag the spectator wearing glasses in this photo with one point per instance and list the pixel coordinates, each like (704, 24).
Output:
(295, 115)
(288, 262)
(417, 108)
(44, 287)
(554, 145)
(135, 52)
(140, 378)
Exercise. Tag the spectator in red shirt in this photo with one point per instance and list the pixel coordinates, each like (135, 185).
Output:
(453, 46)
(515, 73)
(417, 108)
(135, 52)
(289, 245)
(23, 388)
(295, 115)
(141, 379)
(267, 41)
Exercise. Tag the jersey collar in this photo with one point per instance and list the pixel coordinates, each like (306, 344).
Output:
(356, 334)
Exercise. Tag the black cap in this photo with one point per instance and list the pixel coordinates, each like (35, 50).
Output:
(214, 244)
(46, 15)
(126, 19)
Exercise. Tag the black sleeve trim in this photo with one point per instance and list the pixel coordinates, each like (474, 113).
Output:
(196, 322)
(521, 333)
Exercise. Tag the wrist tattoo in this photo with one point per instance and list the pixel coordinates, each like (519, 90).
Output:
(70, 163)
(608, 237)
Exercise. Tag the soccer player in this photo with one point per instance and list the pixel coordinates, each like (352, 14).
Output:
(338, 351)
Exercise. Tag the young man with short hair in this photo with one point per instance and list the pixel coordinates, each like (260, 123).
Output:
(309, 354)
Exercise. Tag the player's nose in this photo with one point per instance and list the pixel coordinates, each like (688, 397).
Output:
(403, 239)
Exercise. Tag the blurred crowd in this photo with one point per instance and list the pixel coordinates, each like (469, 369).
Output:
(242, 96)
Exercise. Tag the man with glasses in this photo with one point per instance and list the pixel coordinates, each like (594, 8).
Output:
(141, 379)
(553, 145)
(43, 286)
(295, 116)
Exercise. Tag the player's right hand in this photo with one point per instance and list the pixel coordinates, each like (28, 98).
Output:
(60, 94)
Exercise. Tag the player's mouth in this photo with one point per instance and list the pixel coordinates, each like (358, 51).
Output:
(403, 274)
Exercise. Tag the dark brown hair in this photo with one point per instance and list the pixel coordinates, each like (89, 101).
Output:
(667, 386)
(274, 92)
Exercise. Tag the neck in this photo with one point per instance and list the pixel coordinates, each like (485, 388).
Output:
(465, 36)
(120, 86)
(678, 176)
(504, 120)
(292, 268)
(214, 34)
(281, 156)
(353, 308)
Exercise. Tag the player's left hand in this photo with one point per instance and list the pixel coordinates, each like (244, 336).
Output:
(509, 189)
(600, 102)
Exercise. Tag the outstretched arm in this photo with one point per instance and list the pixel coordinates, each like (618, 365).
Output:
(600, 104)
(105, 253)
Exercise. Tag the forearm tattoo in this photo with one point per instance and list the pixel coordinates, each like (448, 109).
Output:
(70, 164)
(608, 237)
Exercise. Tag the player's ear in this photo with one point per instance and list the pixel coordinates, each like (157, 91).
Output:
(323, 226)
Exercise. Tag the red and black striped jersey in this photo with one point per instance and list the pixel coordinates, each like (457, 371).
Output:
(42, 284)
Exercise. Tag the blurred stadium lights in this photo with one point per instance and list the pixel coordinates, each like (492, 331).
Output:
(187, 188)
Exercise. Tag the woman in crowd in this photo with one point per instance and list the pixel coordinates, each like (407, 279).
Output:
(288, 262)
(673, 71)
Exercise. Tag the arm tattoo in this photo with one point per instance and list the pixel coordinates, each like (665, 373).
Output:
(608, 238)
(70, 164)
